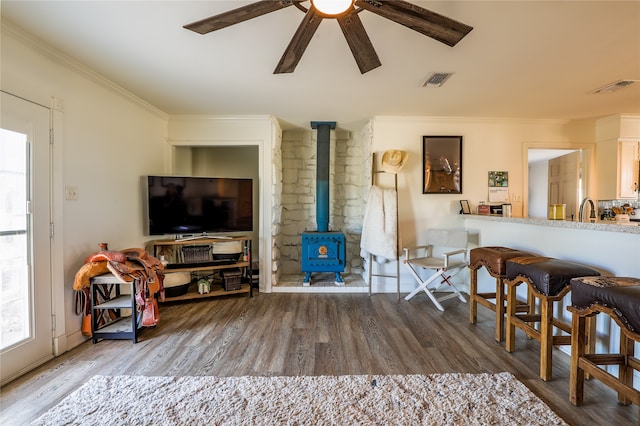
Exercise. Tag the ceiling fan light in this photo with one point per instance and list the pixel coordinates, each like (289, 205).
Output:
(332, 7)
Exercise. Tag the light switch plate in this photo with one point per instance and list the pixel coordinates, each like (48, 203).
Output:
(70, 192)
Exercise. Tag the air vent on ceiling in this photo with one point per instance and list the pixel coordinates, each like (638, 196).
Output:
(616, 85)
(437, 79)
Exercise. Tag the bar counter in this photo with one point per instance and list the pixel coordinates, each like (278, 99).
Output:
(609, 225)
(611, 247)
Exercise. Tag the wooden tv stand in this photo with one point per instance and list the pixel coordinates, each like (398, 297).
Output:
(172, 249)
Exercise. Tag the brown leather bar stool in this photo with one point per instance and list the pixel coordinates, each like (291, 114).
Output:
(618, 297)
(494, 259)
(548, 281)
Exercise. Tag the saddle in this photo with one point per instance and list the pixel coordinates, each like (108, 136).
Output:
(132, 264)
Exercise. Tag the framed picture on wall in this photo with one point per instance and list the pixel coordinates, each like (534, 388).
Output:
(442, 164)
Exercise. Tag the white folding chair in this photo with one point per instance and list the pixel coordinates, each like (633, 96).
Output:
(445, 253)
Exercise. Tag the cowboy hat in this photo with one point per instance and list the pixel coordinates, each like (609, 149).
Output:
(393, 160)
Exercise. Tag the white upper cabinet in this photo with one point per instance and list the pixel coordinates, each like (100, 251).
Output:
(628, 169)
(618, 154)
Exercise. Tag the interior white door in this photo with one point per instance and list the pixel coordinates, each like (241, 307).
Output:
(26, 338)
(564, 182)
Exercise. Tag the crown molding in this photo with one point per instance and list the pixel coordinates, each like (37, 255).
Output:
(33, 42)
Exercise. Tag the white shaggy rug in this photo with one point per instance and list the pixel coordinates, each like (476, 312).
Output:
(439, 399)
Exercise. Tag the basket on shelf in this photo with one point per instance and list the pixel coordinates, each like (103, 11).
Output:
(231, 279)
(196, 254)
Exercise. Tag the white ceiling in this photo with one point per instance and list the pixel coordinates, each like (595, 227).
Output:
(523, 59)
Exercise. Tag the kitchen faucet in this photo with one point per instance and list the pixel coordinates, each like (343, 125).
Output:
(592, 216)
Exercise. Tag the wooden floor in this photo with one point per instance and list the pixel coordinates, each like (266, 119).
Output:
(310, 334)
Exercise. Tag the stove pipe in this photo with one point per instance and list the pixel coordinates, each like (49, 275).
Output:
(322, 172)
(323, 251)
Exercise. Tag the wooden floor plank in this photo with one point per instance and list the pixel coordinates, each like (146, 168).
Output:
(311, 334)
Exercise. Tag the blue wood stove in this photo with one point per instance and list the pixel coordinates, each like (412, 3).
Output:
(323, 250)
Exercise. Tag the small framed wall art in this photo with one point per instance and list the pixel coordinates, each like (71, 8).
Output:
(498, 187)
(442, 164)
(464, 207)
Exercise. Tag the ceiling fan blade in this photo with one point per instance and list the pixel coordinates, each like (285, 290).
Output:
(431, 24)
(359, 42)
(299, 42)
(238, 15)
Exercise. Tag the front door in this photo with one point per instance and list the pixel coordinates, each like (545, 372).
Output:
(26, 338)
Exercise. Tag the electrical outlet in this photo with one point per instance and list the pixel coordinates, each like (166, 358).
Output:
(70, 192)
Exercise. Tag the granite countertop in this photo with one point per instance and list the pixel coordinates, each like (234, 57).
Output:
(610, 226)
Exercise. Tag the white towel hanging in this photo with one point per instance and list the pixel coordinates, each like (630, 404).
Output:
(379, 228)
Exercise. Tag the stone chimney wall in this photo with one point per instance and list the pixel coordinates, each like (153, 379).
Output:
(349, 177)
(276, 203)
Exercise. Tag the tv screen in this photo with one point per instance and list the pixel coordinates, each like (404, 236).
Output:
(196, 205)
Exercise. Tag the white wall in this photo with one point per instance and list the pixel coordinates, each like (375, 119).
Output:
(488, 144)
(538, 189)
(106, 141)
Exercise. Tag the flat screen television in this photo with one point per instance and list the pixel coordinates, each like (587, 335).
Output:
(188, 205)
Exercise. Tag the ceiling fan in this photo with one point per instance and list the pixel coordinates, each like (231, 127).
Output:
(431, 24)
